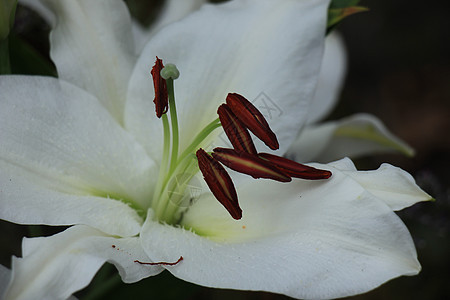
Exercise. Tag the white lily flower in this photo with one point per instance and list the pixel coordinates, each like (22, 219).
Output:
(5, 277)
(86, 149)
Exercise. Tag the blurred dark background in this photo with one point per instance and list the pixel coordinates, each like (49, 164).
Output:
(399, 70)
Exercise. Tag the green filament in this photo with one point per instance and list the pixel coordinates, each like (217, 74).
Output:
(168, 192)
(200, 138)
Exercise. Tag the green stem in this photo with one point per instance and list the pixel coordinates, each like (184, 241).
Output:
(5, 66)
(200, 138)
(174, 121)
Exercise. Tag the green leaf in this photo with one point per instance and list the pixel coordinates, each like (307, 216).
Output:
(336, 15)
(343, 3)
(7, 14)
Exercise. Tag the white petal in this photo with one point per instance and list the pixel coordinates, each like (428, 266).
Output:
(172, 11)
(354, 136)
(5, 277)
(41, 9)
(344, 164)
(141, 35)
(92, 47)
(268, 51)
(27, 198)
(305, 239)
(57, 266)
(175, 10)
(395, 186)
(64, 136)
(331, 78)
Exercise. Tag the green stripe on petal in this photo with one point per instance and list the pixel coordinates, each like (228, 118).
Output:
(355, 136)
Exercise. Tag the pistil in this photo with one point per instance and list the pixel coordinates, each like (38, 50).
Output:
(174, 121)
(166, 197)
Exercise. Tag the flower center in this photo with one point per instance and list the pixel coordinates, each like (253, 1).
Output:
(237, 117)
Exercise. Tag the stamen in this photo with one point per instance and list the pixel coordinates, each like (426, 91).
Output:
(295, 169)
(235, 130)
(161, 97)
(219, 182)
(252, 118)
(252, 165)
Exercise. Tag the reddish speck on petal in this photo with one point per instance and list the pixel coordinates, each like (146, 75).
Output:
(249, 164)
(295, 169)
(252, 118)
(219, 182)
(235, 130)
(161, 97)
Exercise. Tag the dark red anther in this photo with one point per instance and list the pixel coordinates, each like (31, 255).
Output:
(235, 130)
(252, 118)
(219, 182)
(250, 164)
(161, 97)
(295, 169)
